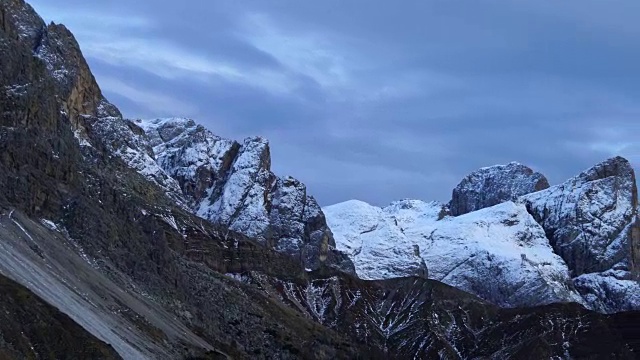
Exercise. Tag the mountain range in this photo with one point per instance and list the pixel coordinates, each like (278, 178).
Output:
(157, 239)
(509, 238)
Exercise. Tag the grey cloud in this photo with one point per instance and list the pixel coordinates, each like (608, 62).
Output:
(381, 100)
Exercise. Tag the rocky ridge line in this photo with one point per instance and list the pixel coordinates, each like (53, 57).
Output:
(494, 185)
(580, 243)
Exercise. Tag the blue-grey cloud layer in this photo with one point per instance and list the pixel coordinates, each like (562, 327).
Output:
(379, 100)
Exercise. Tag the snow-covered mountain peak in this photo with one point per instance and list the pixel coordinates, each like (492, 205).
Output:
(499, 253)
(374, 241)
(591, 220)
(578, 241)
(590, 216)
(492, 185)
(231, 183)
(500, 167)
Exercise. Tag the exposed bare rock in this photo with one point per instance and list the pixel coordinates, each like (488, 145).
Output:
(591, 221)
(232, 184)
(493, 185)
(30, 327)
(589, 218)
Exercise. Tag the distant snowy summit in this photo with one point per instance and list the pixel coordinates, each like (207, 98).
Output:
(493, 185)
(517, 241)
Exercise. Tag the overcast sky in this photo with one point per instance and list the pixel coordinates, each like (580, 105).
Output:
(379, 100)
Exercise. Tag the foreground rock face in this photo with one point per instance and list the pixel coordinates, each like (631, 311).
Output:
(218, 179)
(425, 319)
(60, 54)
(499, 253)
(126, 229)
(493, 185)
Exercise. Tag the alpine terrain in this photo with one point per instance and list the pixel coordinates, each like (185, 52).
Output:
(509, 238)
(156, 239)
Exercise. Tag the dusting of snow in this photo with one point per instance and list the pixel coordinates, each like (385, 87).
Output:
(50, 224)
(609, 291)
(224, 182)
(243, 189)
(499, 253)
(589, 212)
(589, 219)
(132, 148)
(235, 196)
(502, 253)
(169, 219)
(81, 138)
(17, 90)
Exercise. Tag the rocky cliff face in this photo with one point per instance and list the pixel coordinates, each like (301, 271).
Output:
(417, 318)
(230, 183)
(159, 261)
(218, 179)
(54, 44)
(591, 221)
(493, 185)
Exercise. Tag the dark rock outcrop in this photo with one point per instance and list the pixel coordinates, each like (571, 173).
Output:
(494, 185)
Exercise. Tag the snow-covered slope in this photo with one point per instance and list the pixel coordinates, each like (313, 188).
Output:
(228, 183)
(374, 241)
(499, 253)
(577, 241)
